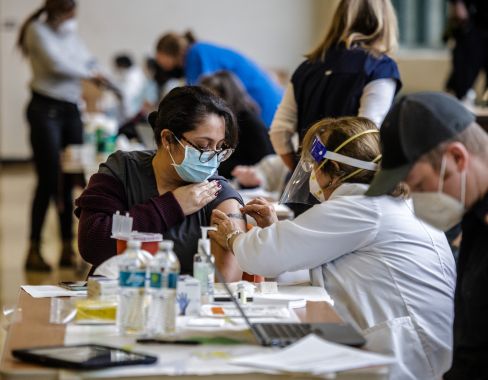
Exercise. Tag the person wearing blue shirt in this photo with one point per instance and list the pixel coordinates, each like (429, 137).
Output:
(201, 58)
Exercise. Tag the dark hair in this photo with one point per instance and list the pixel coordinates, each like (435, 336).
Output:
(230, 88)
(123, 61)
(53, 9)
(174, 44)
(184, 107)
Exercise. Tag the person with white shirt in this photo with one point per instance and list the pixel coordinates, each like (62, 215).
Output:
(59, 61)
(348, 74)
(388, 272)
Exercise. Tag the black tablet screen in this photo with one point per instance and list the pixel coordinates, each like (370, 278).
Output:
(87, 354)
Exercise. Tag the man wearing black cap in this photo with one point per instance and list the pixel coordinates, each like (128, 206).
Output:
(432, 142)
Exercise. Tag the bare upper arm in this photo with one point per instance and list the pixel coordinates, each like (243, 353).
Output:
(224, 259)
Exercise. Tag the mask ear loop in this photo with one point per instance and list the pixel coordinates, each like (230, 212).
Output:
(184, 147)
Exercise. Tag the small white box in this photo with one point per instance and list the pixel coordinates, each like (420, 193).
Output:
(188, 296)
(101, 286)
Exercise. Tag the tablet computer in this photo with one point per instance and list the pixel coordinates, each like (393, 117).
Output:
(83, 356)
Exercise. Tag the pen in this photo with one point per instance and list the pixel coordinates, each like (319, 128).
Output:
(162, 341)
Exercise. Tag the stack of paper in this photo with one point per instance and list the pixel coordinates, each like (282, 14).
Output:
(313, 355)
(280, 300)
(45, 291)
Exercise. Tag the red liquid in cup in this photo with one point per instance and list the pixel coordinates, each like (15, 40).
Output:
(149, 246)
(149, 241)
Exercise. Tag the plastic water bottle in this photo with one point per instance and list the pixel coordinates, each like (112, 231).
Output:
(203, 267)
(170, 281)
(132, 299)
(162, 298)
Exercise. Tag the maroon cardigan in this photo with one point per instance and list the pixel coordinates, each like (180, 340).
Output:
(104, 196)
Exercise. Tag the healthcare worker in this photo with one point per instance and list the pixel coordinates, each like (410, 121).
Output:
(348, 74)
(196, 58)
(386, 270)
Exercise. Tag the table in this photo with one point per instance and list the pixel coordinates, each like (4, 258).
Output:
(34, 330)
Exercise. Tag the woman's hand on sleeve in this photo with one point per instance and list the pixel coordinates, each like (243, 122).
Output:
(194, 197)
(262, 211)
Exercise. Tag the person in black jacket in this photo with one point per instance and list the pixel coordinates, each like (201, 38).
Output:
(468, 25)
(254, 142)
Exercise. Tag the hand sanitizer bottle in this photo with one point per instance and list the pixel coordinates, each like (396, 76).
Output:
(203, 267)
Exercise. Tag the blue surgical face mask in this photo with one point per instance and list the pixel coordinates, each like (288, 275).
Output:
(191, 168)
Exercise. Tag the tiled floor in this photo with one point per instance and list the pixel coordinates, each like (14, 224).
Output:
(16, 186)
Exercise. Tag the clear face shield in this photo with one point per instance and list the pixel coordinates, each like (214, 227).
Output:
(303, 187)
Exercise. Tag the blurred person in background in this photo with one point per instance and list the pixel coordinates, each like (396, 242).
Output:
(270, 174)
(468, 26)
(348, 74)
(165, 80)
(137, 95)
(254, 142)
(197, 58)
(59, 61)
(130, 80)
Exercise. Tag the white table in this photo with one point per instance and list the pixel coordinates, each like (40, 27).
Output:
(34, 330)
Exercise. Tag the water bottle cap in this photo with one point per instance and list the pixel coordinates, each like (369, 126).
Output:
(166, 244)
(134, 244)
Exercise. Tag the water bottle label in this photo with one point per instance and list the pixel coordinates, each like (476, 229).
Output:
(172, 280)
(156, 280)
(131, 279)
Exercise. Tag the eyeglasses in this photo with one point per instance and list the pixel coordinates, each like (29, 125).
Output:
(207, 155)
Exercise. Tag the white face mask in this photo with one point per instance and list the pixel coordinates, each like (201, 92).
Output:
(68, 26)
(315, 188)
(438, 209)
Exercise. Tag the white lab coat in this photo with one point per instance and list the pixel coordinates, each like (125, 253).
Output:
(391, 274)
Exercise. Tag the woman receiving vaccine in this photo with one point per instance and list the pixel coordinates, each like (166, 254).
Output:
(171, 190)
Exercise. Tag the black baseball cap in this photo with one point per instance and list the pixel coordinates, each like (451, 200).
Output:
(416, 124)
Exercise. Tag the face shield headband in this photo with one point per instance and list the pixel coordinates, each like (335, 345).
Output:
(321, 155)
(298, 190)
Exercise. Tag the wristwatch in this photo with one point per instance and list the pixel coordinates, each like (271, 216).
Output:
(229, 236)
